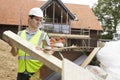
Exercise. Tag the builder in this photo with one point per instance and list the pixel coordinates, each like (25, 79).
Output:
(27, 66)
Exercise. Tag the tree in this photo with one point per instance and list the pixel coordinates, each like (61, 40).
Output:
(108, 13)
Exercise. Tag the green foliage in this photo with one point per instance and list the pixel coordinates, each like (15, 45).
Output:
(108, 36)
(108, 13)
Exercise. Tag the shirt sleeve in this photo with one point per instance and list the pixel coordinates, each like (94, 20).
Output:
(19, 33)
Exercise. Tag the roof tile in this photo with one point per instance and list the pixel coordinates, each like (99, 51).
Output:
(10, 13)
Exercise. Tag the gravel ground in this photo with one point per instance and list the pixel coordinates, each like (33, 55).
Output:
(8, 63)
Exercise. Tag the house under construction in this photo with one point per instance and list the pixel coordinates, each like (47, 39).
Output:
(76, 23)
(59, 18)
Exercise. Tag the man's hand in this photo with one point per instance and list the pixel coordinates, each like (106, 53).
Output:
(46, 49)
(13, 48)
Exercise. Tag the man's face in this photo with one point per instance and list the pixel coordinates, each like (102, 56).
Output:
(35, 21)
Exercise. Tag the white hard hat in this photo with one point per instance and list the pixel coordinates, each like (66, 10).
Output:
(36, 12)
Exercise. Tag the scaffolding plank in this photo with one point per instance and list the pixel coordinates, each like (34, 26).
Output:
(90, 57)
(72, 36)
(49, 60)
(71, 71)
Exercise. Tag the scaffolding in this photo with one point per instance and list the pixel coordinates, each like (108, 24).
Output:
(84, 43)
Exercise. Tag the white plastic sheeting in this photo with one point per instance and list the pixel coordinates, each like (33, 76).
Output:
(97, 71)
(109, 58)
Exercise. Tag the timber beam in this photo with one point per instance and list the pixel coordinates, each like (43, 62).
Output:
(71, 36)
(49, 60)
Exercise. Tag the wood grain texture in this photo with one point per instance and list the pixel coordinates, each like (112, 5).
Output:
(49, 60)
(90, 57)
(71, 71)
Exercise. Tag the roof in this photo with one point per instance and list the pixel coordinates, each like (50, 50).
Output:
(10, 13)
(10, 10)
(62, 6)
(86, 18)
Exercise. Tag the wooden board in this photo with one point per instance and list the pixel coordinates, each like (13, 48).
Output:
(72, 36)
(90, 57)
(49, 60)
(71, 71)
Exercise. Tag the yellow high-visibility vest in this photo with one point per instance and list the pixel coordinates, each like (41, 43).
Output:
(25, 61)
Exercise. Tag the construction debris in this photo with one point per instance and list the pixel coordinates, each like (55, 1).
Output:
(109, 57)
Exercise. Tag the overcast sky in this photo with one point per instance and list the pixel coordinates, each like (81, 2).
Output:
(86, 2)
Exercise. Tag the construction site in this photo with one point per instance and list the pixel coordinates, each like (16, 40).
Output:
(73, 29)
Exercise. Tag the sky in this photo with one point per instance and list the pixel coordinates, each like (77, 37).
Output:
(85, 2)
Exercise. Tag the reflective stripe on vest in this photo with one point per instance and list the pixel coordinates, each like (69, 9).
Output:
(25, 57)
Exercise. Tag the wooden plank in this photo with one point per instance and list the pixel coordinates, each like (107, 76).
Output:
(49, 60)
(61, 48)
(71, 71)
(72, 36)
(56, 76)
(90, 57)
